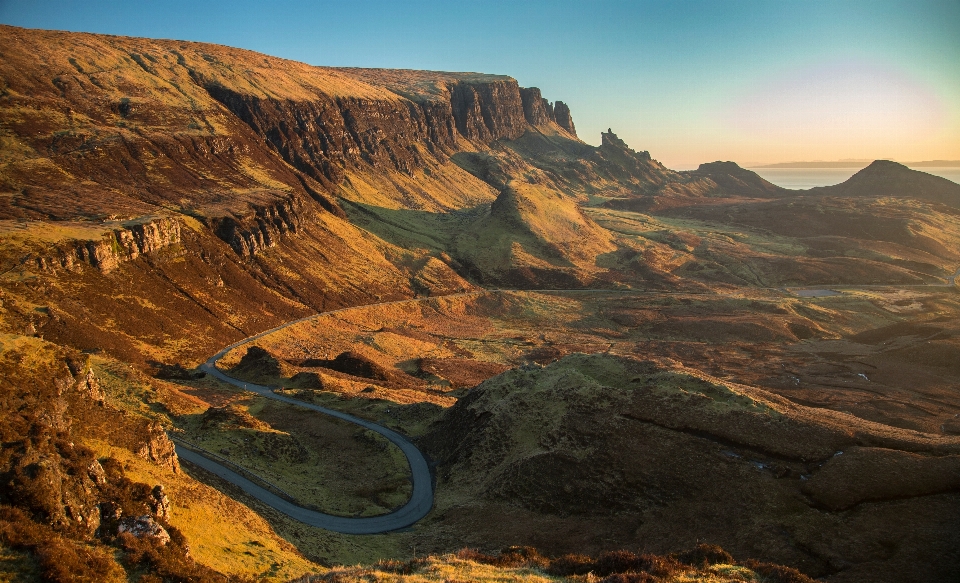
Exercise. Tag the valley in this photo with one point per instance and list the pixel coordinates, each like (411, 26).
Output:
(338, 316)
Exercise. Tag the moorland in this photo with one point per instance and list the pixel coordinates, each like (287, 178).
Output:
(613, 370)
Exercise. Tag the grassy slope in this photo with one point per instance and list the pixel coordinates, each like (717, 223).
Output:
(221, 532)
(532, 226)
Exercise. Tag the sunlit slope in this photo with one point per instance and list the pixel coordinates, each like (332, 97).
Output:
(534, 234)
(79, 458)
(117, 125)
(125, 125)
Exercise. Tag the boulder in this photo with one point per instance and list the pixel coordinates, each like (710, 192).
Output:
(144, 527)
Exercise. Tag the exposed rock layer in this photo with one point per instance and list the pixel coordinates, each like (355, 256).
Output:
(121, 244)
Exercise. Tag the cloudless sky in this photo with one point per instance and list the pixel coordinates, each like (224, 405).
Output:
(750, 81)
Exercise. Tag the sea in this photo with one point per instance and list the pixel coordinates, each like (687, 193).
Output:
(803, 178)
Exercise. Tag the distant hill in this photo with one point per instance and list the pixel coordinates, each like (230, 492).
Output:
(733, 179)
(935, 164)
(886, 178)
(859, 164)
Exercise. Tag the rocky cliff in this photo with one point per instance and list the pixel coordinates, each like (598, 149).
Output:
(128, 241)
(539, 111)
(561, 113)
(261, 227)
(128, 126)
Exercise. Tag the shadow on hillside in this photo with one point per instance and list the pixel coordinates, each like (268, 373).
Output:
(413, 228)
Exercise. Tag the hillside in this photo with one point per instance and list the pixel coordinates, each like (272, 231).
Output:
(203, 173)
(161, 200)
(533, 236)
(650, 452)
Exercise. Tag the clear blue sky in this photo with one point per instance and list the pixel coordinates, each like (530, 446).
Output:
(751, 81)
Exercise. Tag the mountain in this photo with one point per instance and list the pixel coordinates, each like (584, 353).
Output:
(819, 164)
(129, 159)
(884, 178)
(859, 164)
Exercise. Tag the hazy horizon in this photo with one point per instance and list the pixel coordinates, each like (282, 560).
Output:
(754, 82)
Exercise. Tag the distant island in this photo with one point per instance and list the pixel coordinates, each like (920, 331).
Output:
(860, 164)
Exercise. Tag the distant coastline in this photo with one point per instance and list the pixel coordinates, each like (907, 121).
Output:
(860, 164)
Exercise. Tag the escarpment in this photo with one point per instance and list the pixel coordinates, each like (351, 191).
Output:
(324, 135)
(124, 127)
(261, 227)
(124, 243)
(488, 111)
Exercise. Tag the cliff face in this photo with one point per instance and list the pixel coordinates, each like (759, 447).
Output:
(261, 228)
(323, 136)
(539, 111)
(128, 242)
(113, 126)
(320, 137)
(563, 118)
(535, 106)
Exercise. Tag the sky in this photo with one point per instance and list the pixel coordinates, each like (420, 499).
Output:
(750, 81)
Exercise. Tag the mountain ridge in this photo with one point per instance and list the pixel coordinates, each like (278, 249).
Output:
(858, 164)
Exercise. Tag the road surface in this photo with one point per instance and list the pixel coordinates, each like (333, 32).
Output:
(421, 500)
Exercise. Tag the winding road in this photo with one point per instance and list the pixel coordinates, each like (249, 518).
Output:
(421, 500)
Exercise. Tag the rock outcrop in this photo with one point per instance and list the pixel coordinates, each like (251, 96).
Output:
(261, 228)
(539, 111)
(128, 241)
(54, 404)
(536, 109)
(158, 448)
(160, 502)
(144, 527)
(561, 114)
(611, 144)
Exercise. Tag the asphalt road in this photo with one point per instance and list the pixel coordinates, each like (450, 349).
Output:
(421, 500)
